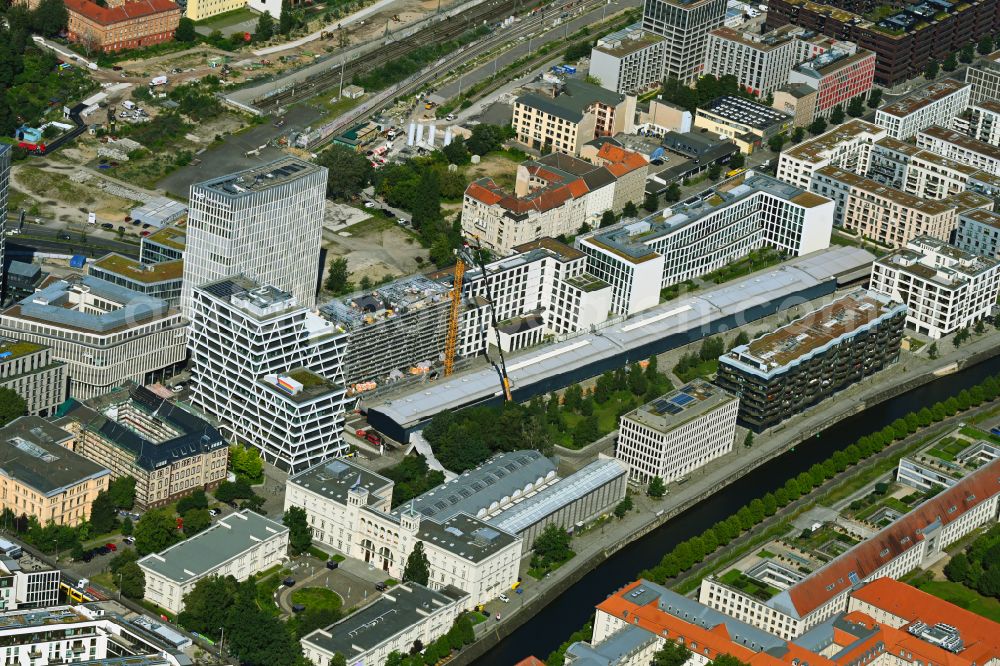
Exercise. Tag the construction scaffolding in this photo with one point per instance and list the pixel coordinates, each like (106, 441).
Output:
(396, 330)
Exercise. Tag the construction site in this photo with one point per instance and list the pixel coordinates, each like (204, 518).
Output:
(397, 330)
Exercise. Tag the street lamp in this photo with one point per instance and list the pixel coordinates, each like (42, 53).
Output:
(222, 643)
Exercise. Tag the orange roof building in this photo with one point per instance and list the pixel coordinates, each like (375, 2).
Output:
(634, 622)
(554, 195)
(894, 551)
(122, 25)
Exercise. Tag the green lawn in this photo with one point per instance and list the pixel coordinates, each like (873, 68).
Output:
(226, 19)
(964, 597)
(316, 598)
(948, 448)
(703, 369)
(607, 417)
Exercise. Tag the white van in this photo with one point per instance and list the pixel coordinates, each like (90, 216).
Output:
(128, 104)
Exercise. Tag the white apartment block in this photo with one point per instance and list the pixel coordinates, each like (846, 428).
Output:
(105, 334)
(684, 27)
(944, 288)
(29, 369)
(565, 116)
(676, 434)
(848, 147)
(238, 545)
(983, 120)
(984, 76)
(542, 290)
(935, 104)
(268, 370)
(914, 540)
(23, 590)
(349, 509)
(978, 232)
(628, 61)
(761, 63)
(265, 223)
(961, 148)
(554, 195)
(401, 616)
(889, 216)
(83, 634)
(703, 234)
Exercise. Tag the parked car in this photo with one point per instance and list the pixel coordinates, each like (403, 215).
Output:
(213, 512)
(332, 564)
(288, 582)
(388, 213)
(381, 587)
(504, 598)
(129, 540)
(108, 226)
(298, 608)
(112, 547)
(63, 237)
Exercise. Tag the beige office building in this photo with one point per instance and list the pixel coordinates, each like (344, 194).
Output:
(164, 445)
(888, 216)
(563, 117)
(42, 477)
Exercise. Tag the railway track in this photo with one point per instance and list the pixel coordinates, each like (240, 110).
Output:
(442, 31)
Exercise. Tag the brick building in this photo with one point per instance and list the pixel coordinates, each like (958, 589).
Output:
(122, 25)
(903, 42)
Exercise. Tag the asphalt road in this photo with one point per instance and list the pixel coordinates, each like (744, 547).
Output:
(39, 239)
(532, 44)
(231, 155)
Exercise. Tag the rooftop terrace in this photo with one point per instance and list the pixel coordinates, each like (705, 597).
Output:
(935, 92)
(812, 332)
(677, 407)
(138, 271)
(822, 146)
(258, 179)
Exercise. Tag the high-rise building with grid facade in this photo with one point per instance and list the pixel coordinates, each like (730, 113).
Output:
(265, 223)
(684, 25)
(269, 370)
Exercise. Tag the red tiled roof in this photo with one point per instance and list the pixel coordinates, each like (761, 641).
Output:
(869, 556)
(980, 635)
(483, 194)
(124, 12)
(899, 643)
(620, 161)
(488, 192)
(530, 661)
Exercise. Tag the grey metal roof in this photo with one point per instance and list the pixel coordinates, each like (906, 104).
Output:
(49, 304)
(31, 452)
(333, 478)
(228, 538)
(465, 536)
(479, 489)
(570, 104)
(392, 613)
(696, 613)
(530, 511)
(23, 269)
(677, 316)
(611, 650)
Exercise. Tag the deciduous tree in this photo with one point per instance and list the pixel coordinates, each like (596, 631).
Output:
(299, 532)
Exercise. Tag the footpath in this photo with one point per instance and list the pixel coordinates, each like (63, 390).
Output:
(597, 544)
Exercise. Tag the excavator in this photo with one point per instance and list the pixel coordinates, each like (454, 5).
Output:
(466, 257)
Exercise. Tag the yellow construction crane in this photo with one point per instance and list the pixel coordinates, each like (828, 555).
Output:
(465, 258)
(451, 342)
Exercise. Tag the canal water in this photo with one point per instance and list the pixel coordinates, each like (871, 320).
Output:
(544, 632)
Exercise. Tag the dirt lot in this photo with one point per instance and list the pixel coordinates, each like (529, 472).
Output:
(374, 249)
(48, 192)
